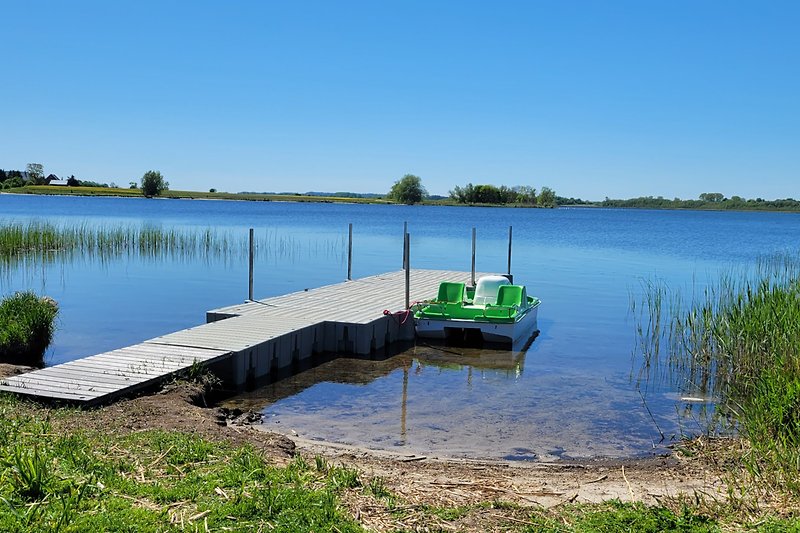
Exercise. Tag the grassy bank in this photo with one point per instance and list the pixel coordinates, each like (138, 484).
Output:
(254, 197)
(70, 480)
(27, 323)
(739, 343)
(55, 476)
(196, 195)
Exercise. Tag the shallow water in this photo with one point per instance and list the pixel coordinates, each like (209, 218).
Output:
(569, 395)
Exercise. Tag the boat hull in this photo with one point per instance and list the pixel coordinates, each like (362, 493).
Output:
(494, 332)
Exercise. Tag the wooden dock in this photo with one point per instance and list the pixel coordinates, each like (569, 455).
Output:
(247, 342)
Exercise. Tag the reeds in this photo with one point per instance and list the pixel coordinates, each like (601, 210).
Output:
(738, 342)
(42, 241)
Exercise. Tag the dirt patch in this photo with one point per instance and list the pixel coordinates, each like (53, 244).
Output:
(7, 370)
(419, 482)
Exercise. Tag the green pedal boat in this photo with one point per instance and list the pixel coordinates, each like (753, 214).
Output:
(495, 311)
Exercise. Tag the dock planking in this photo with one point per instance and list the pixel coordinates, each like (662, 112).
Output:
(248, 341)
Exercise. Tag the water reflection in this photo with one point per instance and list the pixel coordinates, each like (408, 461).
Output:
(456, 402)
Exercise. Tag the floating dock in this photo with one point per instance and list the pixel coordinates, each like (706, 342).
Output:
(245, 343)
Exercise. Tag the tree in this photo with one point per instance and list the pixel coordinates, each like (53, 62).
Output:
(408, 190)
(72, 181)
(546, 198)
(153, 183)
(525, 194)
(35, 173)
(712, 197)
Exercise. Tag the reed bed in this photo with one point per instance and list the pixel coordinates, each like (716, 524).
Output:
(737, 341)
(42, 241)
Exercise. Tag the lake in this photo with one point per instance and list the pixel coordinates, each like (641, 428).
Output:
(569, 395)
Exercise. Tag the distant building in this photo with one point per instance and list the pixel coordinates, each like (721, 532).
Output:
(51, 178)
(61, 183)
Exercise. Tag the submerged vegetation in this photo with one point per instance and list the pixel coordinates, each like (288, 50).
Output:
(42, 241)
(738, 343)
(27, 323)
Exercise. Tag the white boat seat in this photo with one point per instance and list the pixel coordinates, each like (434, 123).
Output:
(487, 288)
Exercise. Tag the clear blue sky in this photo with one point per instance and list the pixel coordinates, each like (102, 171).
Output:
(592, 98)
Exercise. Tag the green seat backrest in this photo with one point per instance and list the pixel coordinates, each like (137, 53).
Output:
(451, 292)
(510, 295)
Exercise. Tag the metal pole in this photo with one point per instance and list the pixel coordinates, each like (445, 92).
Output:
(407, 241)
(509, 250)
(350, 253)
(405, 232)
(473, 257)
(252, 251)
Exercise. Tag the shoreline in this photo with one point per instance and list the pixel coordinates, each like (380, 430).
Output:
(299, 198)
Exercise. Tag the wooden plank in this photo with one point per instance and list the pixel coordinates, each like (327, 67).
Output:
(353, 303)
(67, 380)
(45, 393)
(60, 389)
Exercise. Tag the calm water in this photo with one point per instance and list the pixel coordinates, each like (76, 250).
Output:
(569, 395)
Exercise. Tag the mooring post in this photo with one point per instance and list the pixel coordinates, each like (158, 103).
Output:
(509, 250)
(405, 232)
(350, 252)
(407, 262)
(252, 253)
(472, 279)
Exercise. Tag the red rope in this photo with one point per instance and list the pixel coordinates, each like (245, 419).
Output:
(406, 313)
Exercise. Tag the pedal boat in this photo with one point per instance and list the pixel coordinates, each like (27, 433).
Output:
(496, 309)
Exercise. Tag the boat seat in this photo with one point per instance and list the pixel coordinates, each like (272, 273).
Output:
(510, 299)
(487, 289)
(451, 292)
(511, 295)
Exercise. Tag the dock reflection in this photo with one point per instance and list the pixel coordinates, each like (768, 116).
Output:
(418, 359)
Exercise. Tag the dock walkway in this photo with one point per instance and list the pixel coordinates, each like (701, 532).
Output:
(246, 342)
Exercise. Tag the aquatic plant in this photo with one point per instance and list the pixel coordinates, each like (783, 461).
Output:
(738, 342)
(27, 323)
(38, 241)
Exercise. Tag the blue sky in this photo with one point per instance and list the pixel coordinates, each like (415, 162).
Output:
(591, 98)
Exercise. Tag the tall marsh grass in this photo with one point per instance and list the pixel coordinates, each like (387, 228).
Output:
(738, 341)
(42, 241)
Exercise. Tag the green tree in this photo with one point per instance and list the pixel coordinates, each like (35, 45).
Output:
(525, 194)
(546, 198)
(712, 197)
(35, 173)
(153, 183)
(408, 190)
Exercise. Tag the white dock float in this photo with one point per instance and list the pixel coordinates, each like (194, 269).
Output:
(246, 342)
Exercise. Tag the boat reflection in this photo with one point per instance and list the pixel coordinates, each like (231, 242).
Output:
(362, 371)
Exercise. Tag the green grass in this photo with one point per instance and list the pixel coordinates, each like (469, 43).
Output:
(153, 481)
(615, 516)
(27, 323)
(55, 476)
(198, 195)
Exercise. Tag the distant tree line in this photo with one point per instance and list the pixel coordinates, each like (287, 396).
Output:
(707, 200)
(491, 194)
